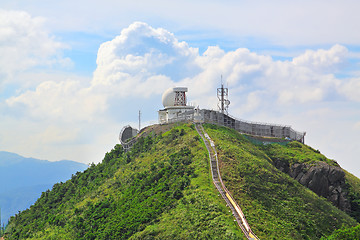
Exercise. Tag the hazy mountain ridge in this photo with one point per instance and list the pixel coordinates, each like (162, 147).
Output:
(162, 189)
(22, 180)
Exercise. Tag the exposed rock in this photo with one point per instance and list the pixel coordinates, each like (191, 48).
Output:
(325, 180)
(282, 166)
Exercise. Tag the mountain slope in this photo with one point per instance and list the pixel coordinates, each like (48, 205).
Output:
(22, 180)
(162, 189)
(276, 205)
(163, 177)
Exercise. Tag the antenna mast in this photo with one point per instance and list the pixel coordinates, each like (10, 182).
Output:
(139, 119)
(223, 94)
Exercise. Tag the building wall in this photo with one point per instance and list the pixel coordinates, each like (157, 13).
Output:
(174, 114)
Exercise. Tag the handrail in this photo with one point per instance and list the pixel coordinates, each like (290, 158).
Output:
(254, 128)
(259, 123)
(235, 208)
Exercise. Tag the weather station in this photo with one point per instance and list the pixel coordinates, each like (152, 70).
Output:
(175, 104)
(176, 109)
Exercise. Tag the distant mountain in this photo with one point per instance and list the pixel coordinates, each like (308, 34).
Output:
(22, 180)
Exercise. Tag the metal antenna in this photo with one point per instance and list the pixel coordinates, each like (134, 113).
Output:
(222, 94)
(139, 119)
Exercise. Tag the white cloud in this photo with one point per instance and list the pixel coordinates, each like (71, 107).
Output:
(134, 68)
(290, 23)
(323, 60)
(351, 89)
(288, 82)
(143, 61)
(56, 140)
(357, 125)
(67, 101)
(143, 55)
(24, 44)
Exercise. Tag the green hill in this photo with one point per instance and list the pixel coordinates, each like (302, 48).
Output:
(162, 189)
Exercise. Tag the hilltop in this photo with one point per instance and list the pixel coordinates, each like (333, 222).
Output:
(162, 189)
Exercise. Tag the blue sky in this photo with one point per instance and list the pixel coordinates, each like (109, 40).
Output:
(73, 73)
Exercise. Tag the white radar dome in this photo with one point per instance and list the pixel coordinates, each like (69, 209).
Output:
(168, 97)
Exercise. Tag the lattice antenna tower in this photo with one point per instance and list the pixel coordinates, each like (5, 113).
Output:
(180, 98)
(223, 95)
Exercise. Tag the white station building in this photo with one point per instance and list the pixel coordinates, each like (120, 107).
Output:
(176, 110)
(174, 102)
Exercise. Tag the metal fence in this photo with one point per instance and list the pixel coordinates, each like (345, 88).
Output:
(242, 126)
(252, 128)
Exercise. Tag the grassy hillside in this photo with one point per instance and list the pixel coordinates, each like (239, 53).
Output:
(162, 189)
(351, 233)
(354, 195)
(276, 206)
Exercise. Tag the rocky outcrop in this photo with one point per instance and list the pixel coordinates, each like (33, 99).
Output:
(325, 180)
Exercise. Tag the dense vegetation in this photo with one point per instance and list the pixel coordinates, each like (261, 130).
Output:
(351, 233)
(295, 152)
(2, 230)
(162, 189)
(353, 184)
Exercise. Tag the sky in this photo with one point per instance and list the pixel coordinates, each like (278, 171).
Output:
(73, 73)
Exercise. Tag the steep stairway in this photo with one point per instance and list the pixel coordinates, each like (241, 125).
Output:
(215, 172)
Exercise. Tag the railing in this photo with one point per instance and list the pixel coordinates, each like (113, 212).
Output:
(252, 128)
(242, 126)
(216, 176)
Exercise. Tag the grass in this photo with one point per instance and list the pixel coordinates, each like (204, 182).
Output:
(276, 206)
(163, 189)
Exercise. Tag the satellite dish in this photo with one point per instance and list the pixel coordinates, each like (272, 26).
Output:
(127, 133)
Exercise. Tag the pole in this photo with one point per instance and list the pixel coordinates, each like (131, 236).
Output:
(139, 119)
(222, 94)
(222, 98)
